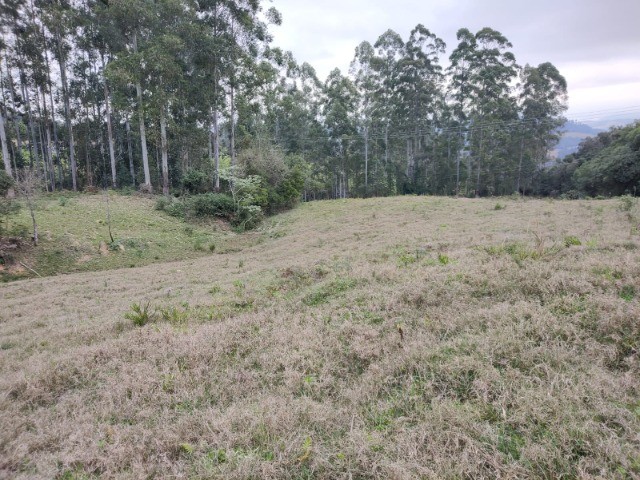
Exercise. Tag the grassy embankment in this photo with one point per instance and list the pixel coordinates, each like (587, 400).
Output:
(74, 236)
(408, 337)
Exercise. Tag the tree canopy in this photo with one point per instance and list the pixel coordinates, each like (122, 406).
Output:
(142, 93)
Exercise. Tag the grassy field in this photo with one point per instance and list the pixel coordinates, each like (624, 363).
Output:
(412, 337)
(74, 236)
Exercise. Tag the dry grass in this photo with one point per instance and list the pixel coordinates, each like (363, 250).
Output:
(405, 337)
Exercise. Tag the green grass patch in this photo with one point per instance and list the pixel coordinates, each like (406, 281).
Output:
(74, 235)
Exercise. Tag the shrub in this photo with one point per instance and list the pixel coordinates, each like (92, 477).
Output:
(7, 205)
(572, 195)
(6, 182)
(248, 217)
(176, 209)
(626, 203)
(171, 206)
(195, 182)
(140, 314)
(210, 204)
(162, 203)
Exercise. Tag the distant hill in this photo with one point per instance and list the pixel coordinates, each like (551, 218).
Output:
(574, 132)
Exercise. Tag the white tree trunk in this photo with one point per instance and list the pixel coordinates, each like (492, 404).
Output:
(112, 155)
(165, 156)
(143, 133)
(67, 110)
(5, 148)
(216, 148)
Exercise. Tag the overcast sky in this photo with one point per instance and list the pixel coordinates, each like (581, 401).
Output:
(594, 43)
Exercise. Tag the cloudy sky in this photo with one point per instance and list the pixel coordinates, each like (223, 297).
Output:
(594, 43)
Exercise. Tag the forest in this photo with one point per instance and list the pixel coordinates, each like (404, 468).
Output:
(145, 94)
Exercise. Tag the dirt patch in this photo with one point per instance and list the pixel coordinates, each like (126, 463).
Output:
(104, 248)
(84, 259)
(9, 248)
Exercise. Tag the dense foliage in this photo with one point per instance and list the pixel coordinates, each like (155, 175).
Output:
(185, 96)
(607, 164)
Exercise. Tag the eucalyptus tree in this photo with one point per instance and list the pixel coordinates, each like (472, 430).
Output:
(482, 71)
(58, 17)
(340, 111)
(94, 42)
(542, 100)
(130, 25)
(388, 47)
(232, 28)
(5, 147)
(9, 15)
(362, 70)
(459, 94)
(419, 89)
(27, 60)
(6, 159)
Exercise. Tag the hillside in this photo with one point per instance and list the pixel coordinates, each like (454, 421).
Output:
(404, 337)
(572, 134)
(74, 236)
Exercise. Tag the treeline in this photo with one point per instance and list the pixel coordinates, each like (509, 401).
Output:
(605, 165)
(155, 94)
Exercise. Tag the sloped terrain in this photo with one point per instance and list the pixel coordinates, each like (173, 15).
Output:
(76, 230)
(412, 337)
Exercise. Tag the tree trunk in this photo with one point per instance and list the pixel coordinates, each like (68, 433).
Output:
(216, 148)
(366, 160)
(44, 153)
(520, 163)
(112, 155)
(130, 153)
(458, 164)
(143, 134)
(232, 139)
(16, 124)
(49, 147)
(5, 150)
(86, 147)
(480, 153)
(165, 159)
(3, 136)
(67, 111)
(54, 123)
(33, 146)
(96, 114)
(5, 154)
(143, 139)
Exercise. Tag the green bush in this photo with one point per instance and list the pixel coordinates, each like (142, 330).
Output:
(6, 182)
(162, 203)
(195, 182)
(572, 195)
(171, 206)
(176, 209)
(248, 217)
(140, 314)
(210, 204)
(626, 203)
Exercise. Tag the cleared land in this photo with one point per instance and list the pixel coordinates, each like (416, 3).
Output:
(74, 235)
(412, 337)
